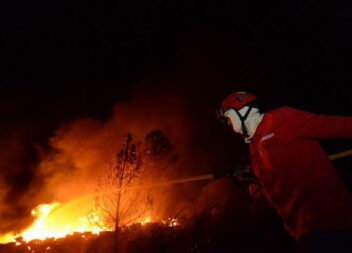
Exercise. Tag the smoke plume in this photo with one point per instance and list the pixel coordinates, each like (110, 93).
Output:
(80, 149)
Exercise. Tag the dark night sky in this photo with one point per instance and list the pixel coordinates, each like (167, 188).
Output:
(61, 61)
(54, 52)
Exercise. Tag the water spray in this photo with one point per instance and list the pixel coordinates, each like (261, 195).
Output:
(237, 175)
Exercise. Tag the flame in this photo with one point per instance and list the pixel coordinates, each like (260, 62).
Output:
(6, 238)
(51, 222)
(146, 220)
(40, 228)
(47, 225)
(58, 220)
(171, 222)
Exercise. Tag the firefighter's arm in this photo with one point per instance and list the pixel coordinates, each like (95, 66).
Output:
(322, 126)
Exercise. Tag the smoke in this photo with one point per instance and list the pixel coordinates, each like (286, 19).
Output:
(16, 167)
(78, 152)
(81, 149)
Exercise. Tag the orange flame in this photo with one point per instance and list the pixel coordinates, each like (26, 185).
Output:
(171, 222)
(146, 220)
(57, 220)
(49, 224)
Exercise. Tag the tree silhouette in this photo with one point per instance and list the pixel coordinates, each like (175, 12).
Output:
(122, 199)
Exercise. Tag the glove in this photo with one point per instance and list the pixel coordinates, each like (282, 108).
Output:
(241, 176)
(230, 174)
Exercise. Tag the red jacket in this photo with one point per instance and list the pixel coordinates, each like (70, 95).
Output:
(296, 175)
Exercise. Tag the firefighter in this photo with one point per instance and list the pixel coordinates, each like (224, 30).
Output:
(294, 173)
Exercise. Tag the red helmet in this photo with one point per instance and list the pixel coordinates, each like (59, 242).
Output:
(237, 101)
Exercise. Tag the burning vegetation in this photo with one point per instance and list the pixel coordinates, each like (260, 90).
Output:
(96, 189)
(121, 198)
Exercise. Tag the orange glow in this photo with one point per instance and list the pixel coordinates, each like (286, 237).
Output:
(57, 220)
(48, 226)
(53, 222)
(6, 238)
(171, 222)
(146, 220)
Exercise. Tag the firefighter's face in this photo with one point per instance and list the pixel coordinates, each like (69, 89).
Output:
(233, 120)
(228, 122)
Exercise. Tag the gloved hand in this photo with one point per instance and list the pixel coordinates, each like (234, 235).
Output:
(229, 174)
(241, 176)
